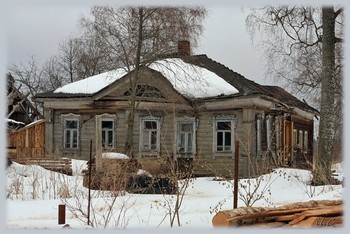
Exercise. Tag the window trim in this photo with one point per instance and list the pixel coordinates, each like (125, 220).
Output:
(71, 135)
(108, 117)
(259, 121)
(149, 152)
(108, 130)
(269, 133)
(224, 118)
(70, 117)
(186, 120)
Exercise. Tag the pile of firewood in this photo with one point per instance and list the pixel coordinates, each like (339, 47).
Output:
(301, 214)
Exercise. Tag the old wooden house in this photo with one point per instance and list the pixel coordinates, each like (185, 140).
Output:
(190, 109)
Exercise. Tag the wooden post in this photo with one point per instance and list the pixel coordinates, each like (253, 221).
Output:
(235, 182)
(89, 195)
(61, 214)
(98, 143)
(291, 149)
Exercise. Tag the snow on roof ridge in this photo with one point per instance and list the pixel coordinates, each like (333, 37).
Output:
(92, 84)
(190, 80)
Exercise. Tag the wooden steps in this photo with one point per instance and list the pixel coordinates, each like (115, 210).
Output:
(301, 215)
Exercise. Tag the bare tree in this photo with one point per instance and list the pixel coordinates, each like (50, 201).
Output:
(69, 53)
(136, 37)
(28, 76)
(295, 47)
(53, 75)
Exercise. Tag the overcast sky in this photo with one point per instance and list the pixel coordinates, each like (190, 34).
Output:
(37, 30)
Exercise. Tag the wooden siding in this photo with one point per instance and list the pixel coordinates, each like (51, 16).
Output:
(112, 101)
(28, 142)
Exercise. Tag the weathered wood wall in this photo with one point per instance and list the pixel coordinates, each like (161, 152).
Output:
(27, 142)
(113, 101)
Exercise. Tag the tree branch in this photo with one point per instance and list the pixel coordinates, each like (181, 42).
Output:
(338, 12)
(337, 39)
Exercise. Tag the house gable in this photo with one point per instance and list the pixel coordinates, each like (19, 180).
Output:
(152, 87)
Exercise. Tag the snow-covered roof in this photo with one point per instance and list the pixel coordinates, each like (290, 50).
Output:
(92, 84)
(14, 121)
(189, 80)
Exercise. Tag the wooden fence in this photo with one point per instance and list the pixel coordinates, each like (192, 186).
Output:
(27, 142)
(27, 146)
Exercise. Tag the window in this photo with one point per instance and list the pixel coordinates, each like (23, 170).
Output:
(268, 132)
(71, 133)
(150, 134)
(186, 137)
(258, 135)
(145, 90)
(224, 134)
(107, 133)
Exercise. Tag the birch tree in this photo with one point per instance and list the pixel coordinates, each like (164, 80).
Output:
(303, 46)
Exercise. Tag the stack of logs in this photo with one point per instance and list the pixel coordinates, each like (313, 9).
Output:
(301, 215)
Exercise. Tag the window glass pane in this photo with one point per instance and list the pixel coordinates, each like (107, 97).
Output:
(71, 124)
(103, 138)
(182, 142)
(67, 138)
(75, 139)
(154, 140)
(219, 141)
(146, 138)
(189, 142)
(228, 139)
(110, 138)
(182, 139)
(150, 125)
(187, 127)
(107, 124)
(224, 125)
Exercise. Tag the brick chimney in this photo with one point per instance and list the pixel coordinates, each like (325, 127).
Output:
(184, 48)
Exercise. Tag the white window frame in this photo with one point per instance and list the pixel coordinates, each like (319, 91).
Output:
(181, 121)
(259, 134)
(142, 149)
(71, 133)
(105, 132)
(216, 120)
(268, 131)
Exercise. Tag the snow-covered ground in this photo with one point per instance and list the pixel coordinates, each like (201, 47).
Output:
(33, 195)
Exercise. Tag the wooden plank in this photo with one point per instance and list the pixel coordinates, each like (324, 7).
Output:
(268, 214)
(266, 225)
(319, 222)
(329, 211)
(286, 217)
